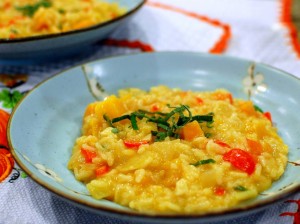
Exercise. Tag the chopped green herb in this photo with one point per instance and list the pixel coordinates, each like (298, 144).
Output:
(204, 118)
(117, 119)
(115, 130)
(160, 136)
(60, 26)
(30, 10)
(61, 11)
(133, 122)
(108, 120)
(203, 162)
(168, 124)
(240, 188)
(165, 127)
(14, 31)
(207, 135)
(257, 108)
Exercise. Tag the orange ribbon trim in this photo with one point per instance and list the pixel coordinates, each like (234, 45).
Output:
(286, 19)
(218, 48)
(221, 45)
(130, 44)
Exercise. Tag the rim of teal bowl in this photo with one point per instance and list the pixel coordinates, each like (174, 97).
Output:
(90, 28)
(236, 211)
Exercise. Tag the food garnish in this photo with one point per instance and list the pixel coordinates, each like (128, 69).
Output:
(168, 124)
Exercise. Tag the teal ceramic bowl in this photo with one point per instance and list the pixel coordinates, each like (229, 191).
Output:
(58, 46)
(44, 125)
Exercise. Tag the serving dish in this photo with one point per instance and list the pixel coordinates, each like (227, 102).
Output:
(57, 46)
(44, 125)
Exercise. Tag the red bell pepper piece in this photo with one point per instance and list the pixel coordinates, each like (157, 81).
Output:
(154, 108)
(268, 116)
(222, 144)
(199, 100)
(134, 144)
(88, 155)
(241, 160)
(102, 170)
(219, 191)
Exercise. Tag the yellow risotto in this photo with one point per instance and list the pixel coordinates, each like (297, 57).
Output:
(172, 151)
(24, 18)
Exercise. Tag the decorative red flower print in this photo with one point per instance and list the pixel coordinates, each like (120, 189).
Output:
(296, 214)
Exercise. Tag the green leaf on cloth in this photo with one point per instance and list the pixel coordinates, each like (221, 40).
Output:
(10, 99)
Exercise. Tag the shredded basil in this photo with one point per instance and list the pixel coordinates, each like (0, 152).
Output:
(240, 188)
(204, 118)
(14, 31)
(203, 162)
(168, 124)
(108, 120)
(115, 130)
(30, 10)
(61, 11)
(209, 124)
(257, 108)
(134, 122)
(207, 135)
(160, 136)
(165, 127)
(117, 119)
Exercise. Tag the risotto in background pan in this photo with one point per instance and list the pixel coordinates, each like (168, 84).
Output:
(172, 151)
(26, 18)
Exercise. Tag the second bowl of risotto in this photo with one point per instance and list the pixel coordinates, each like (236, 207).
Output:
(163, 137)
(43, 28)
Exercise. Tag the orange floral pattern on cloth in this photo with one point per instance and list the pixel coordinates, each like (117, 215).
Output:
(12, 81)
(218, 48)
(4, 117)
(6, 159)
(286, 19)
(130, 44)
(6, 164)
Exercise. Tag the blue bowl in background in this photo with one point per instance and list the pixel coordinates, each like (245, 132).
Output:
(58, 46)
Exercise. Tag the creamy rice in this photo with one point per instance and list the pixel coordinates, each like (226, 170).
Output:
(25, 18)
(222, 151)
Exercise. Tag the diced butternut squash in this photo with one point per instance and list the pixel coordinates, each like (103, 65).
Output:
(93, 117)
(111, 106)
(247, 107)
(90, 109)
(255, 147)
(223, 96)
(191, 131)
